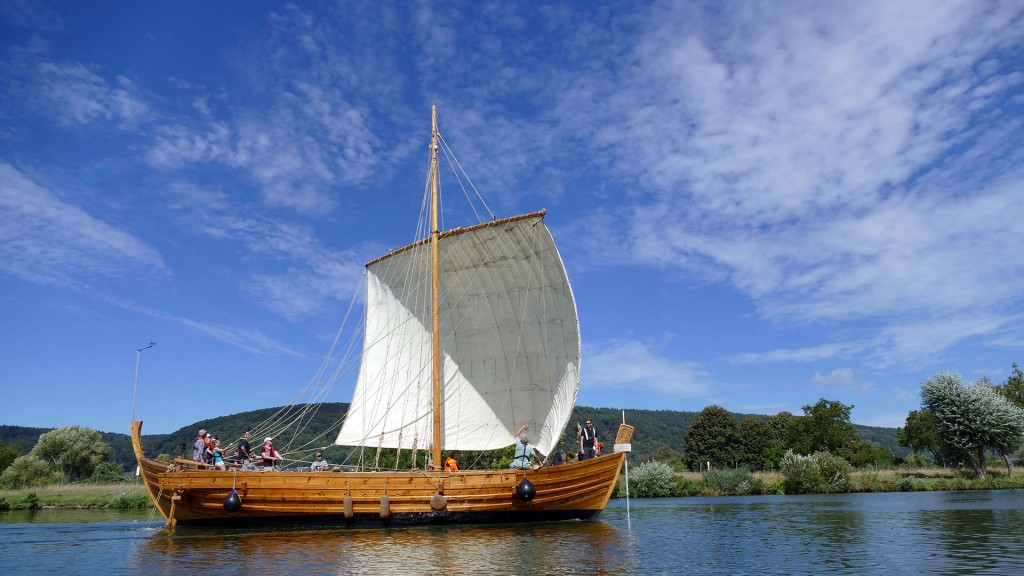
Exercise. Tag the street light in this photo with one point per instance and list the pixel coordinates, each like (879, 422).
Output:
(135, 392)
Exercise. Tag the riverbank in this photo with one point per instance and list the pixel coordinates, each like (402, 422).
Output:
(738, 483)
(134, 496)
(123, 496)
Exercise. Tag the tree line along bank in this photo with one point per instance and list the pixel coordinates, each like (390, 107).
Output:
(959, 425)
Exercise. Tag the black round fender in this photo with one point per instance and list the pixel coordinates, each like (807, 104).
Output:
(233, 502)
(526, 490)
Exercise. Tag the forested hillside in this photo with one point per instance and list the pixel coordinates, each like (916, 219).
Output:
(656, 431)
(24, 436)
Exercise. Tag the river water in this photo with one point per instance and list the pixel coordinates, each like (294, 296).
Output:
(978, 532)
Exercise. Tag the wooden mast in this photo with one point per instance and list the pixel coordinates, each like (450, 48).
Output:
(435, 232)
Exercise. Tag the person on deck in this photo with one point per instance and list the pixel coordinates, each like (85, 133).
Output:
(245, 451)
(525, 455)
(208, 453)
(319, 465)
(558, 459)
(218, 455)
(451, 463)
(270, 454)
(199, 448)
(587, 440)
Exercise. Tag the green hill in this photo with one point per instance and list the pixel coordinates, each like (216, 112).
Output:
(655, 430)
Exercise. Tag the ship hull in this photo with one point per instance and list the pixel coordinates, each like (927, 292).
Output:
(185, 495)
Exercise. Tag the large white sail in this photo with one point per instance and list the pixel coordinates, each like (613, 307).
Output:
(510, 342)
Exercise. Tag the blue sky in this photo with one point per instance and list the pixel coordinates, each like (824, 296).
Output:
(760, 204)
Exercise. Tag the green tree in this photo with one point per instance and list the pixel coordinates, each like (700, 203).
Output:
(919, 433)
(971, 418)
(713, 437)
(8, 453)
(782, 426)
(668, 455)
(755, 443)
(1013, 388)
(825, 427)
(73, 451)
(866, 453)
(28, 471)
(107, 473)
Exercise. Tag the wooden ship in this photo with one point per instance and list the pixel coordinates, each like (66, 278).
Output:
(468, 334)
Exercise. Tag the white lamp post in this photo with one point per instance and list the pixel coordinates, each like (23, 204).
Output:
(135, 392)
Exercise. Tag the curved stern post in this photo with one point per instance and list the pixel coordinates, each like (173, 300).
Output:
(146, 471)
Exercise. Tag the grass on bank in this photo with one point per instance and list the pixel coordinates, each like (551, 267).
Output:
(741, 482)
(76, 496)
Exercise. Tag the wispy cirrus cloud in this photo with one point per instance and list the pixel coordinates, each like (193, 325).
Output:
(805, 354)
(823, 161)
(27, 14)
(309, 127)
(73, 94)
(68, 93)
(246, 338)
(46, 240)
(299, 276)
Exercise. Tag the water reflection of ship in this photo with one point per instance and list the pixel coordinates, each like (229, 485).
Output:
(543, 548)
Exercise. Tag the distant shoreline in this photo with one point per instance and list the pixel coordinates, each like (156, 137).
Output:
(77, 497)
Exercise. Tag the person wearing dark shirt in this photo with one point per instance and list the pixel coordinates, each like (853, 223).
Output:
(244, 455)
(208, 454)
(587, 440)
(245, 450)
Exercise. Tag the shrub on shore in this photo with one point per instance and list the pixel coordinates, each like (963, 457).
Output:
(729, 482)
(818, 473)
(652, 480)
(28, 471)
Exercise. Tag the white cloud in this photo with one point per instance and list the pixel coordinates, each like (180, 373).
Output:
(307, 127)
(245, 338)
(27, 14)
(634, 365)
(838, 378)
(824, 160)
(175, 145)
(916, 345)
(46, 240)
(298, 277)
(74, 94)
(808, 354)
(301, 293)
